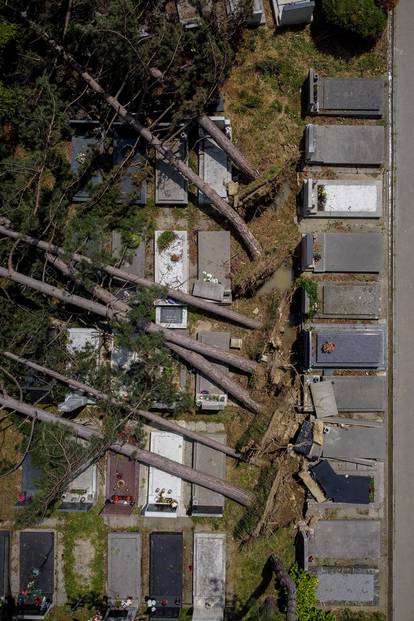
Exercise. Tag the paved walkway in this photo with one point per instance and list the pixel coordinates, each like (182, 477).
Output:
(403, 416)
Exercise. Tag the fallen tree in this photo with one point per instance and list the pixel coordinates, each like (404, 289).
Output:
(287, 582)
(194, 359)
(120, 274)
(155, 419)
(170, 335)
(220, 205)
(232, 151)
(133, 452)
(220, 138)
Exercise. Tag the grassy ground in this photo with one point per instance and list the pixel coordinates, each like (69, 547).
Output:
(262, 94)
(9, 485)
(90, 528)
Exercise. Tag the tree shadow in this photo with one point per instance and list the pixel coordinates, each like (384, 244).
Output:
(334, 41)
(267, 576)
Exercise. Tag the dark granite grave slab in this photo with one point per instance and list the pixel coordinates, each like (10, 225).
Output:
(37, 573)
(166, 569)
(4, 563)
(340, 487)
(345, 145)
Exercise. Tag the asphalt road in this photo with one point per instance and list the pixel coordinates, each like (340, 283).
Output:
(403, 367)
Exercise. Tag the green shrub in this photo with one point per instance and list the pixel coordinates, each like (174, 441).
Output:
(165, 240)
(351, 615)
(311, 289)
(7, 33)
(268, 66)
(250, 100)
(360, 17)
(306, 597)
(7, 100)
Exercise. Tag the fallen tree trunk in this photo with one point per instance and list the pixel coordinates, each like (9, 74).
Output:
(220, 138)
(179, 296)
(170, 336)
(144, 457)
(221, 206)
(232, 151)
(156, 419)
(249, 366)
(218, 377)
(287, 582)
(197, 361)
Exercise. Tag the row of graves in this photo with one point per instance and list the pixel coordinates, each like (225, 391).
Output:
(344, 343)
(88, 162)
(210, 278)
(131, 491)
(127, 485)
(284, 12)
(37, 559)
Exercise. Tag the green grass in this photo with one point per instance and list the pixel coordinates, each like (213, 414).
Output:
(246, 526)
(75, 527)
(262, 93)
(251, 586)
(193, 214)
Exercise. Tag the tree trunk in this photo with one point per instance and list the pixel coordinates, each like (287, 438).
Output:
(197, 361)
(144, 457)
(220, 138)
(221, 206)
(218, 377)
(248, 366)
(232, 151)
(179, 296)
(155, 419)
(170, 336)
(287, 582)
(185, 298)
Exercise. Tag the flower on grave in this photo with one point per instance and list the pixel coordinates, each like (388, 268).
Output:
(207, 277)
(81, 157)
(328, 347)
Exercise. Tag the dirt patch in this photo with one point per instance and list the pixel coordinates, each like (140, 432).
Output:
(286, 502)
(84, 555)
(276, 229)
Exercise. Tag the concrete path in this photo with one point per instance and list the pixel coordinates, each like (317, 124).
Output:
(403, 415)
